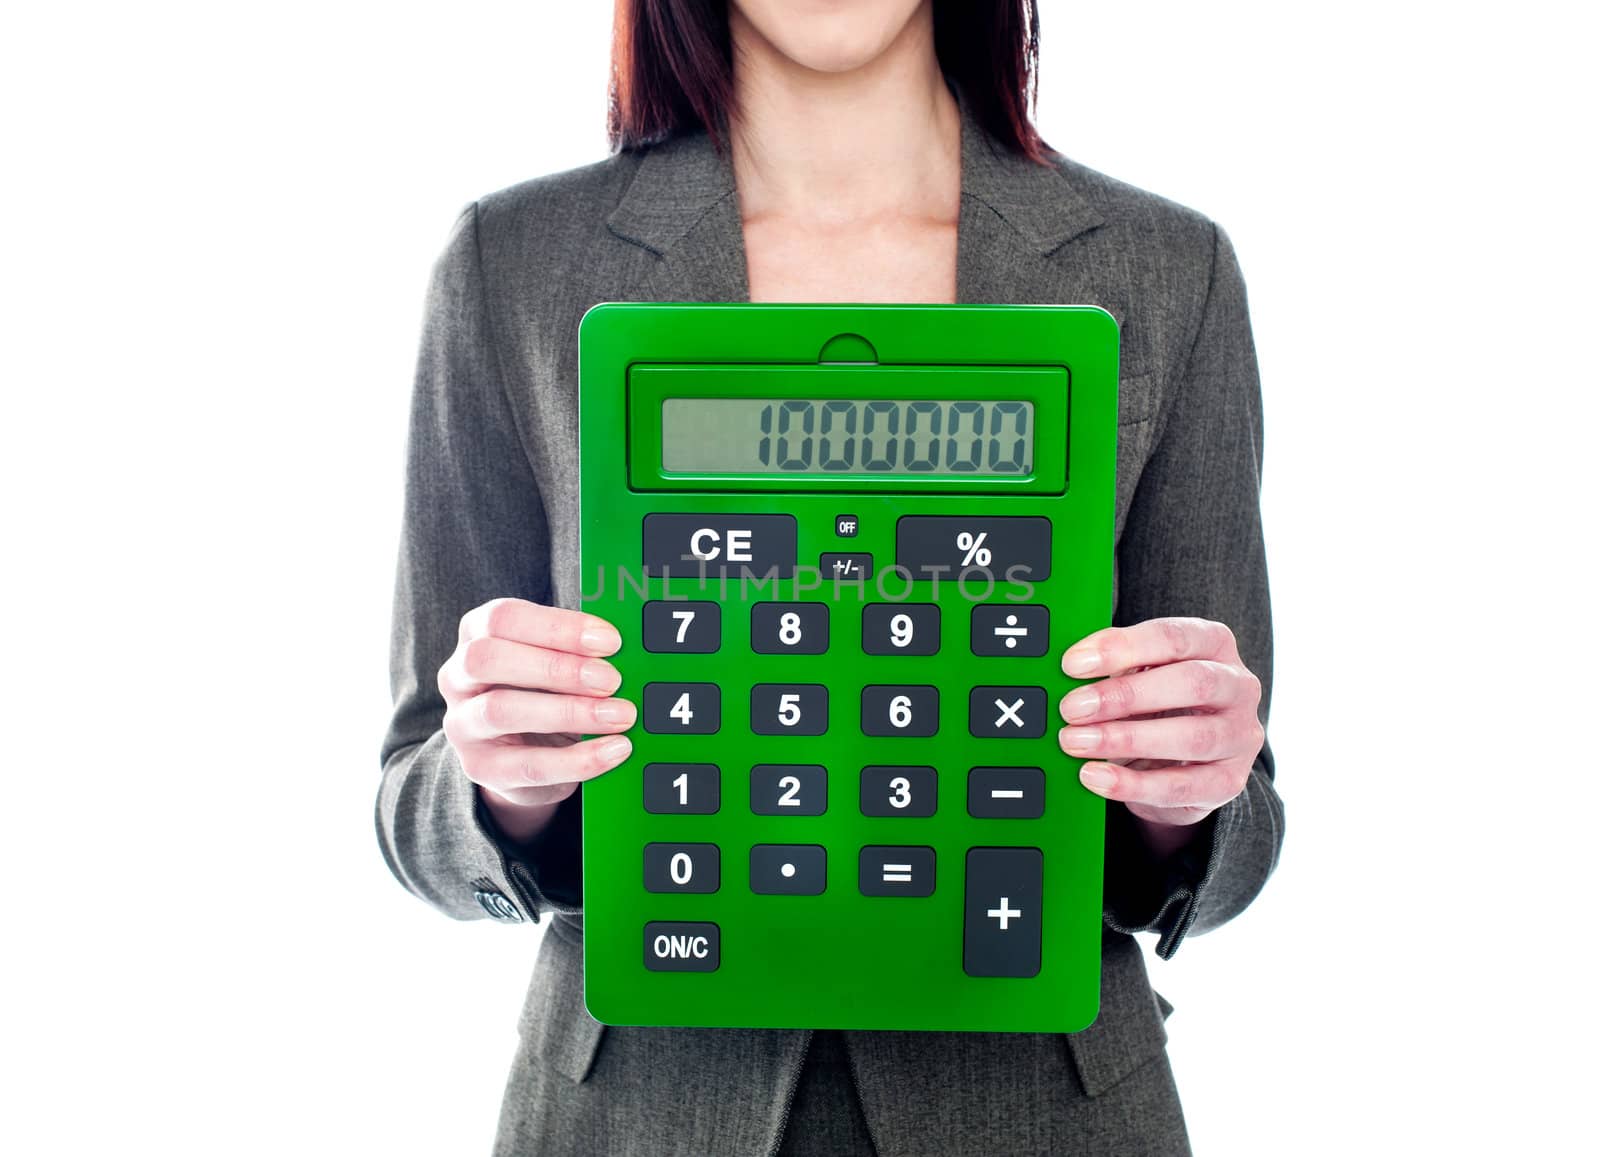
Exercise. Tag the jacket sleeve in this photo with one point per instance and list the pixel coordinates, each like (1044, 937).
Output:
(473, 529)
(1192, 545)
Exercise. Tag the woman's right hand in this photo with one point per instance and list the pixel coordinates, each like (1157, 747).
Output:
(524, 683)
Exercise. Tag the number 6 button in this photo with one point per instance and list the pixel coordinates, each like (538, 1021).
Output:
(895, 709)
(682, 708)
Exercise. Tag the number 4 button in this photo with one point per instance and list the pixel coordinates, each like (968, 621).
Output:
(682, 708)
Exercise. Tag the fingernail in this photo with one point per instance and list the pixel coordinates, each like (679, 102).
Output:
(1082, 662)
(1095, 777)
(614, 750)
(614, 711)
(600, 636)
(1081, 703)
(1081, 738)
(600, 675)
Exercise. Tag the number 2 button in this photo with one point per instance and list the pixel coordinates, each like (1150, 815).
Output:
(789, 628)
(682, 708)
(788, 789)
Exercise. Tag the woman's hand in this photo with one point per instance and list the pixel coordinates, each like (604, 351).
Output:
(524, 682)
(1177, 714)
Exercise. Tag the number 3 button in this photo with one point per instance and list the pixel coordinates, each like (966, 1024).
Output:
(899, 791)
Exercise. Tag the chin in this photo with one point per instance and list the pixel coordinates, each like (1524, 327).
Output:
(829, 35)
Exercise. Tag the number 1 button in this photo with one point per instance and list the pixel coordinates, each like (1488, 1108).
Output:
(682, 708)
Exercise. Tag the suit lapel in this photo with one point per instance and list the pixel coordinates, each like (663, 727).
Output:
(683, 207)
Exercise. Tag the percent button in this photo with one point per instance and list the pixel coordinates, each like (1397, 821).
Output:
(939, 546)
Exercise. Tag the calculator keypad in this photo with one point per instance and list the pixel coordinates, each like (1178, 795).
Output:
(788, 789)
(1001, 886)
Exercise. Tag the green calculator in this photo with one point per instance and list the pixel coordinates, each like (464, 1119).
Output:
(845, 546)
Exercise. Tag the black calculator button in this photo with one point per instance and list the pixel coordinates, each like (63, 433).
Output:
(846, 525)
(900, 628)
(897, 709)
(1005, 793)
(1005, 889)
(720, 545)
(946, 546)
(1006, 712)
(788, 869)
(682, 708)
(788, 789)
(1022, 631)
(675, 946)
(789, 709)
(682, 788)
(789, 628)
(899, 791)
(848, 567)
(889, 871)
(682, 868)
(690, 628)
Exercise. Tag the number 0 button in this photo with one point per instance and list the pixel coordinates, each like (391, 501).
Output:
(682, 708)
(894, 709)
(788, 709)
(682, 868)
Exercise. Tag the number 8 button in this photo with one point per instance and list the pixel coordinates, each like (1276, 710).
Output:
(789, 628)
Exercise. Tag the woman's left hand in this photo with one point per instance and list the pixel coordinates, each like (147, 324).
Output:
(1172, 726)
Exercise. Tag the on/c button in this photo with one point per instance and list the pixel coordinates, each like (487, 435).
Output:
(675, 946)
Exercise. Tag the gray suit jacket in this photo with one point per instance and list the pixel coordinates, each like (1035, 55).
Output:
(490, 510)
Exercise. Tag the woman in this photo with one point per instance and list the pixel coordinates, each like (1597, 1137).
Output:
(876, 150)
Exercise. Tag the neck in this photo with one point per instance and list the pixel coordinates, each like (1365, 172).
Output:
(836, 148)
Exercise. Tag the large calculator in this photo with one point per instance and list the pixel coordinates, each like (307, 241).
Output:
(845, 546)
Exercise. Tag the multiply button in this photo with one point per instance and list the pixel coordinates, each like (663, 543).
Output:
(674, 946)
(788, 869)
(1019, 631)
(1003, 925)
(888, 871)
(1006, 712)
(723, 545)
(944, 546)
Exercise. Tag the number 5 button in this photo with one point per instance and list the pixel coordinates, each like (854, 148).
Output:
(682, 708)
(789, 709)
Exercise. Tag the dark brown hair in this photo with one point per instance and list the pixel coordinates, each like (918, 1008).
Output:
(672, 68)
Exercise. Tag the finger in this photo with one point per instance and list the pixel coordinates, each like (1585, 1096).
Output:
(488, 661)
(504, 711)
(553, 628)
(1114, 650)
(1204, 786)
(1191, 683)
(514, 767)
(1194, 737)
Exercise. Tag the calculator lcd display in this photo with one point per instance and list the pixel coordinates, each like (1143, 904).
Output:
(847, 436)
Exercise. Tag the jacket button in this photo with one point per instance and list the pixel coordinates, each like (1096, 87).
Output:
(497, 905)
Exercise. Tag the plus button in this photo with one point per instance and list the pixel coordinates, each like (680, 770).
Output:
(1005, 913)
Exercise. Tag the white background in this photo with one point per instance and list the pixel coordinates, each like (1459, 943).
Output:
(218, 223)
